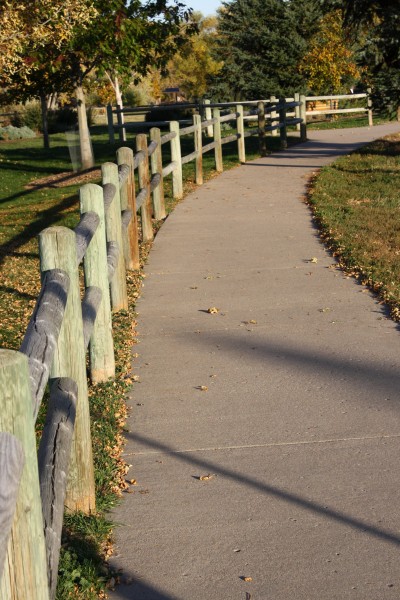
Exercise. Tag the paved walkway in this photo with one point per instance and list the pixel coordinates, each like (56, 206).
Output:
(298, 428)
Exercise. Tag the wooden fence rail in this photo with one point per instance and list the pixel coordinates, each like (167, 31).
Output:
(36, 487)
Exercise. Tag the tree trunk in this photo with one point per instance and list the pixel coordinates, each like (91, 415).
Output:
(87, 157)
(45, 121)
(118, 97)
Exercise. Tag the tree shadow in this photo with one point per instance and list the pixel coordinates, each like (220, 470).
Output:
(47, 218)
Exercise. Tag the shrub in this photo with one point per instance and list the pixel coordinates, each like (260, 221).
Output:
(160, 114)
(16, 133)
(31, 116)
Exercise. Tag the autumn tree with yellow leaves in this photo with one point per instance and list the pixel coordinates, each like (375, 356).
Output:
(329, 66)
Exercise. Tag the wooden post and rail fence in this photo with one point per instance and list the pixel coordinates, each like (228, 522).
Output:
(311, 106)
(35, 487)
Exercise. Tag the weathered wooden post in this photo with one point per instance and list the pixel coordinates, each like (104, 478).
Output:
(12, 462)
(121, 127)
(130, 234)
(144, 183)
(198, 145)
(369, 106)
(58, 251)
(240, 130)
(157, 167)
(119, 296)
(297, 110)
(176, 156)
(210, 129)
(219, 166)
(282, 120)
(274, 116)
(110, 124)
(25, 574)
(261, 128)
(101, 348)
(53, 458)
(303, 115)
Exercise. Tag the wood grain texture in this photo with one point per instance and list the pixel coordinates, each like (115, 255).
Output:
(96, 266)
(53, 458)
(11, 464)
(43, 329)
(119, 296)
(24, 573)
(177, 183)
(156, 169)
(84, 232)
(130, 234)
(219, 167)
(58, 250)
(144, 184)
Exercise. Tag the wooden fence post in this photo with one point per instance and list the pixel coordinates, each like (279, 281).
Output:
(303, 115)
(274, 116)
(25, 574)
(119, 295)
(210, 129)
(198, 144)
(101, 349)
(12, 462)
(130, 235)
(297, 110)
(58, 251)
(144, 183)
(121, 128)
(261, 128)
(240, 130)
(219, 166)
(157, 167)
(369, 106)
(110, 124)
(282, 120)
(177, 183)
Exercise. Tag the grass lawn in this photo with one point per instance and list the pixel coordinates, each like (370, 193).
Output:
(357, 206)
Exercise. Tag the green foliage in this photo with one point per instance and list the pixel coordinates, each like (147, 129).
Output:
(261, 46)
(376, 24)
(16, 133)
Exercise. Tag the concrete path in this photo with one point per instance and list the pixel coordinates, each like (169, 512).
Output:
(299, 427)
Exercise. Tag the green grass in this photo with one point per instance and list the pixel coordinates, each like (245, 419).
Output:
(356, 204)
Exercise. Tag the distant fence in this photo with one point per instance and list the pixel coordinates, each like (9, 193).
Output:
(308, 106)
(35, 487)
(329, 105)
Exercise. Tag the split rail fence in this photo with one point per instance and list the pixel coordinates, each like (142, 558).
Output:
(35, 487)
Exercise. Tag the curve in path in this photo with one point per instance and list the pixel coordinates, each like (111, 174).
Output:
(265, 436)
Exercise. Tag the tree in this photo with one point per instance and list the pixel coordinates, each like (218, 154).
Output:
(376, 23)
(260, 46)
(122, 36)
(329, 64)
(191, 67)
(37, 24)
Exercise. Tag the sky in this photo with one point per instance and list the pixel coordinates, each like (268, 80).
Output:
(206, 7)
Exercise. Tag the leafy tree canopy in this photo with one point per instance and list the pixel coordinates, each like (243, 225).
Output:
(261, 42)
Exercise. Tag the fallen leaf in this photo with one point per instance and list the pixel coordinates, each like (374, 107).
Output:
(213, 310)
(247, 578)
(203, 388)
(324, 310)
(253, 322)
(132, 481)
(206, 477)
(313, 260)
